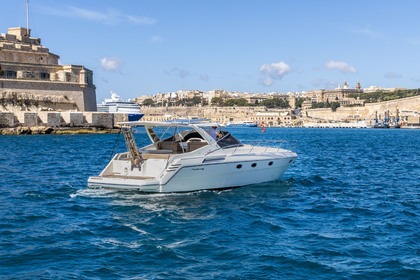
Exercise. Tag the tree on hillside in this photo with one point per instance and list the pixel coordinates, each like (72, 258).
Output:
(148, 102)
(334, 106)
(275, 103)
(236, 102)
(195, 100)
(218, 101)
(299, 102)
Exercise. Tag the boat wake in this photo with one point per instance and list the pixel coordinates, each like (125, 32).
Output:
(94, 193)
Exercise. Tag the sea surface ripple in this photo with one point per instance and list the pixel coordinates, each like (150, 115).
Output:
(347, 209)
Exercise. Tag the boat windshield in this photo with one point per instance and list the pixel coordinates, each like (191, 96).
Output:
(183, 134)
(227, 140)
(172, 133)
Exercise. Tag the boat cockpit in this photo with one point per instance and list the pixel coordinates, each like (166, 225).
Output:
(179, 139)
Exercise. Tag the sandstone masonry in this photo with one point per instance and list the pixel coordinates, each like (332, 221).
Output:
(31, 78)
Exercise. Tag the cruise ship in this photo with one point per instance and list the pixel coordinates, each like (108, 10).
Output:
(116, 105)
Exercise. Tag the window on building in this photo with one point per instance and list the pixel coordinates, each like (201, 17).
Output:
(44, 76)
(11, 75)
(28, 75)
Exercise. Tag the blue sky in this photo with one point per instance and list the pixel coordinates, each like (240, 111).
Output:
(137, 47)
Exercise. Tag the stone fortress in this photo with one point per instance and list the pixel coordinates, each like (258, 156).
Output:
(31, 77)
(36, 90)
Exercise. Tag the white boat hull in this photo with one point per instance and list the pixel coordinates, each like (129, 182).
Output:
(191, 160)
(213, 173)
(225, 175)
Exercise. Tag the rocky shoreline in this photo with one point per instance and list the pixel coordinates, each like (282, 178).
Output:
(25, 130)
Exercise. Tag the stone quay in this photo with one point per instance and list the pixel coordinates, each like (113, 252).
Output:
(46, 122)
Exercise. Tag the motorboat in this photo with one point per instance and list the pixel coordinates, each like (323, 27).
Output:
(242, 124)
(184, 157)
(116, 105)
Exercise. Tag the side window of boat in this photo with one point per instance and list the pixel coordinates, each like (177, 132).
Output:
(228, 141)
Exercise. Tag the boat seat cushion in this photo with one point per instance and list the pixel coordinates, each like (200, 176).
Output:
(169, 145)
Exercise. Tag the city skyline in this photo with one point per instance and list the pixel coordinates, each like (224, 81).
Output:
(144, 47)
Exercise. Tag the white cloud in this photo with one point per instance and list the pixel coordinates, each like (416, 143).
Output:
(273, 71)
(343, 67)
(110, 64)
(110, 16)
(266, 81)
(140, 20)
(86, 14)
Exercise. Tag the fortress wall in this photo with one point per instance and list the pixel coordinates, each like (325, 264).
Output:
(19, 101)
(404, 104)
(50, 118)
(217, 114)
(258, 114)
(27, 118)
(73, 118)
(84, 98)
(57, 119)
(367, 112)
(120, 117)
(97, 119)
(342, 113)
(7, 120)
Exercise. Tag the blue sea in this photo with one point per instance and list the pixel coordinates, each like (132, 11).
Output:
(349, 208)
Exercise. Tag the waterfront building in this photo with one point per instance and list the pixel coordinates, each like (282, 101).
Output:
(274, 117)
(339, 94)
(31, 74)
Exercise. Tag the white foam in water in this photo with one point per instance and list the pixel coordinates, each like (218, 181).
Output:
(133, 227)
(117, 243)
(178, 244)
(95, 193)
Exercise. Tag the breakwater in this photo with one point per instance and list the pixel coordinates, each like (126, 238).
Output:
(47, 122)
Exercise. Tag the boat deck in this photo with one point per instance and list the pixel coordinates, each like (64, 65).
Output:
(120, 176)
